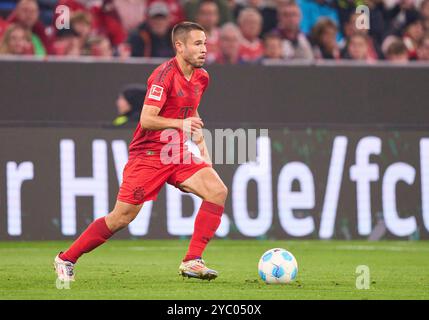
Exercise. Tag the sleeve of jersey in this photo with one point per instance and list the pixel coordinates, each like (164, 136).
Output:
(207, 81)
(158, 89)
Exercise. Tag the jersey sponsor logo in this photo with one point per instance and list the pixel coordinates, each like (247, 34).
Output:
(185, 111)
(155, 92)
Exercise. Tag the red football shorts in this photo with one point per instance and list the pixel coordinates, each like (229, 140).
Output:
(146, 174)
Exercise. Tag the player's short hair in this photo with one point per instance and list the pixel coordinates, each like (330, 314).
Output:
(182, 29)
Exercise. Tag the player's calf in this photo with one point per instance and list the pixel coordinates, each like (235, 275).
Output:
(97, 233)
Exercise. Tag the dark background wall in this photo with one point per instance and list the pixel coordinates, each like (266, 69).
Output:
(323, 94)
(307, 109)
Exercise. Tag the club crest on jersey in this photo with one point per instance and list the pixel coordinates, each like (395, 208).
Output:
(155, 92)
(138, 193)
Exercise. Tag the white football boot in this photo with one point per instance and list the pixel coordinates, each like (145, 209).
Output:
(197, 269)
(64, 269)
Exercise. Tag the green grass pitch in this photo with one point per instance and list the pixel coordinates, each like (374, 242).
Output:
(147, 269)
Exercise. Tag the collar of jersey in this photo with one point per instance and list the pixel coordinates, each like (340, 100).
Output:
(181, 72)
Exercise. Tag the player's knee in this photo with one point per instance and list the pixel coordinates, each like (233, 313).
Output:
(224, 191)
(125, 219)
(120, 219)
(219, 192)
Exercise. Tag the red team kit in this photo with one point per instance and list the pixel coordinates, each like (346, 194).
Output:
(145, 173)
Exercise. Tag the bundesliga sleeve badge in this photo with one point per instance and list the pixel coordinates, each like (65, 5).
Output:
(155, 92)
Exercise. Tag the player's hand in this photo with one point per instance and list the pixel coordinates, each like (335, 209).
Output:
(198, 138)
(192, 125)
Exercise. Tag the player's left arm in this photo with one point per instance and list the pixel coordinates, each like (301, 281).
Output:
(198, 138)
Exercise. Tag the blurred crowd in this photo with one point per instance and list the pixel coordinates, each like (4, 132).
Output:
(238, 31)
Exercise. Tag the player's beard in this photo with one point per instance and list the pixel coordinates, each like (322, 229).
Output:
(195, 63)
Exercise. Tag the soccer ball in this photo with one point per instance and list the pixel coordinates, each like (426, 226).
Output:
(277, 266)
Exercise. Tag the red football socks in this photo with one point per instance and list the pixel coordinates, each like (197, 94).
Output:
(95, 235)
(207, 221)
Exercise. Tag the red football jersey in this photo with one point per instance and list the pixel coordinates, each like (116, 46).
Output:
(177, 97)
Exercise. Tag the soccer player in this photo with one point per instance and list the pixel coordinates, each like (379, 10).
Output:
(168, 116)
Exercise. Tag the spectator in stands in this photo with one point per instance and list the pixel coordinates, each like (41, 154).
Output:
(191, 8)
(234, 8)
(357, 48)
(399, 16)
(250, 24)
(208, 17)
(101, 47)
(413, 33)
(424, 11)
(16, 40)
(67, 43)
(269, 14)
(273, 47)
(229, 44)
(132, 13)
(129, 105)
(152, 38)
(324, 35)
(347, 8)
(80, 22)
(76, 8)
(377, 23)
(313, 11)
(175, 10)
(295, 43)
(3, 26)
(374, 50)
(73, 5)
(26, 15)
(104, 18)
(106, 21)
(396, 51)
(423, 49)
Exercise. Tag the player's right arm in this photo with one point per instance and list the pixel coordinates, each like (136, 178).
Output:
(151, 120)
